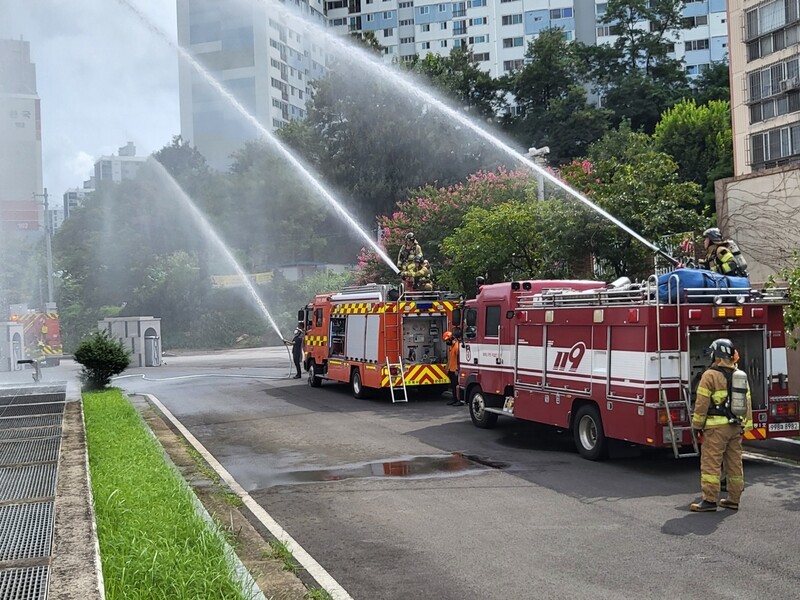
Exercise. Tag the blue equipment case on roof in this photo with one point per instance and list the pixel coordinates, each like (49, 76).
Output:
(704, 285)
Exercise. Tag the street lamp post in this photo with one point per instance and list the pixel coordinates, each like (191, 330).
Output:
(537, 155)
(48, 234)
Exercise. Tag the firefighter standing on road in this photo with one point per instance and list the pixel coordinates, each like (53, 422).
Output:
(720, 255)
(722, 413)
(297, 349)
(452, 366)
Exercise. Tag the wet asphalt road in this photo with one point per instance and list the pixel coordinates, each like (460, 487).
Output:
(508, 513)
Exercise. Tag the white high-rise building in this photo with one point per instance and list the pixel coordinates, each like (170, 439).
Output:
(497, 32)
(20, 140)
(265, 63)
(113, 168)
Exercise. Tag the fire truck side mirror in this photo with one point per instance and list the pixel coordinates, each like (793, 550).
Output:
(301, 316)
(456, 317)
(471, 332)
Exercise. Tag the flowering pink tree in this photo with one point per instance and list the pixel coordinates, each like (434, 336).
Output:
(433, 213)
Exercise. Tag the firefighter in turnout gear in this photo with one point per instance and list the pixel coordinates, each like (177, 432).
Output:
(422, 275)
(409, 251)
(722, 413)
(452, 366)
(722, 256)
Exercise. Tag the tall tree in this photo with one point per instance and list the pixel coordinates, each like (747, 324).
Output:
(714, 83)
(630, 179)
(636, 76)
(700, 140)
(552, 105)
(461, 79)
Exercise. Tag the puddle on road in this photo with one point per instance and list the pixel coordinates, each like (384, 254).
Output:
(418, 467)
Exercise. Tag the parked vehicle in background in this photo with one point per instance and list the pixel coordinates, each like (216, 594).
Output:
(42, 332)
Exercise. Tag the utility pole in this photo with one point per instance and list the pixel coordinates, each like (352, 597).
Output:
(48, 234)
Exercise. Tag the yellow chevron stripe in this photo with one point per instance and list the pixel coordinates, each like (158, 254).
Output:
(316, 340)
(759, 433)
(418, 375)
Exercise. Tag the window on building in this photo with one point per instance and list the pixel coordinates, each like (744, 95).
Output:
(479, 39)
(512, 42)
(424, 10)
(426, 45)
(407, 40)
(480, 57)
(478, 21)
(511, 65)
(443, 44)
(425, 27)
(443, 25)
(560, 13)
(443, 8)
(370, 18)
(690, 45)
(511, 19)
(476, 3)
(405, 22)
(388, 14)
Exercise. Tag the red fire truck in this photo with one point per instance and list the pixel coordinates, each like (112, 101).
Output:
(42, 332)
(377, 336)
(619, 361)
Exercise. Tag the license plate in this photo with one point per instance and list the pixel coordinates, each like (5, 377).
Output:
(783, 426)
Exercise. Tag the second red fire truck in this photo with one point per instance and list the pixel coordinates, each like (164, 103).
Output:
(619, 361)
(377, 337)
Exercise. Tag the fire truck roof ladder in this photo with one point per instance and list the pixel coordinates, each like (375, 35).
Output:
(685, 403)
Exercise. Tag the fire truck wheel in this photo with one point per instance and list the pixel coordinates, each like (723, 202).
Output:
(359, 391)
(588, 431)
(477, 409)
(314, 380)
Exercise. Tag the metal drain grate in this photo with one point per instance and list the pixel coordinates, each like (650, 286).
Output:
(29, 432)
(29, 451)
(30, 481)
(24, 584)
(26, 530)
(31, 399)
(37, 421)
(31, 409)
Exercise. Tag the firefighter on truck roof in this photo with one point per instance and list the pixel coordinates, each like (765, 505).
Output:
(722, 413)
(722, 256)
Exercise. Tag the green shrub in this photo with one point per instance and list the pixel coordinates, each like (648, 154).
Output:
(102, 358)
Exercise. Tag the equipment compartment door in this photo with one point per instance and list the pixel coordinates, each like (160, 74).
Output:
(371, 340)
(354, 341)
(628, 363)
(568, 358)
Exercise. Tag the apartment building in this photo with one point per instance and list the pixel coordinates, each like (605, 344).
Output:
(760, 205)
(264, 60)
(498, 31)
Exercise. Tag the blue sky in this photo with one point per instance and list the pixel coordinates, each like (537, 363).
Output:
(103, 80)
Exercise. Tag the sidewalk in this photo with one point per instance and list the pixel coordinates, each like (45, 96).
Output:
(48, 545)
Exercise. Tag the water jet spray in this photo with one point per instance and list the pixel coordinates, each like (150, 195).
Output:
(266, 133)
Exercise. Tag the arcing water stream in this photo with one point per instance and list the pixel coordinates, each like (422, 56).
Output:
(414, 88)
(295, 162)
(211, 234)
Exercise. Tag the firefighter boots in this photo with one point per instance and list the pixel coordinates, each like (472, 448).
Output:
(725, 503)
(703, 506)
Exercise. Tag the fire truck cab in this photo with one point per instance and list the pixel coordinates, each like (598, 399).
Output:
(42, 333)
(619, 361)
(378, 336)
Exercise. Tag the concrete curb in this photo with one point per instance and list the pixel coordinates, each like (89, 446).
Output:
(75, 568)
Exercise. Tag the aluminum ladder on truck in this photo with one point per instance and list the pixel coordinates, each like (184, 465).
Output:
(394, 348)
(675, 431)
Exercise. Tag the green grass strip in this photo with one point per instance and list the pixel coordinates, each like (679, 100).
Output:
(153, 544)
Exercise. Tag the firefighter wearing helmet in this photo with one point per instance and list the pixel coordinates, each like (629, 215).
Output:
(722, 256)
(409, 251)
(452, 366)
(722, 413)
